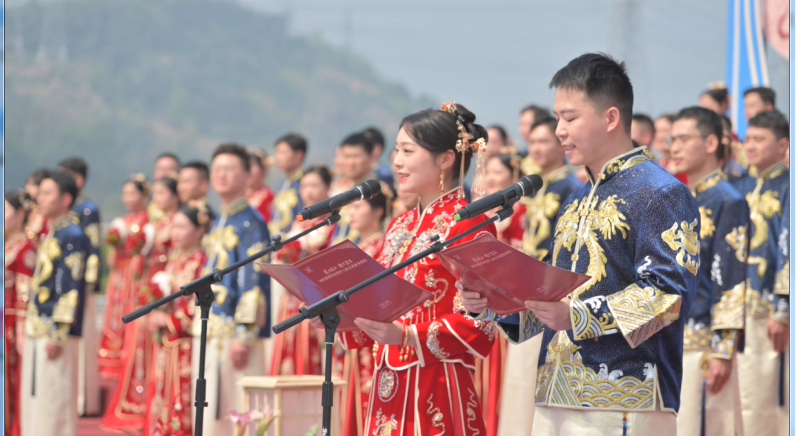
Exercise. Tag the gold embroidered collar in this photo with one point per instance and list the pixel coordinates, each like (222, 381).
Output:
(237, 207)
(623, 162)
(441, 199)
(295, 176)
(62, 223)
(769, 174)
(708, 182)
(557, 174)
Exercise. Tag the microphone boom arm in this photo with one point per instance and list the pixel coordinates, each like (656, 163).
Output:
(204, 299)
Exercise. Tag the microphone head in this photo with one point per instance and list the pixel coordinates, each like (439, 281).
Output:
(531, 184)
(369, 188)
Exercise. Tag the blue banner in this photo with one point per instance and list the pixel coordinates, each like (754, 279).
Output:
(746, 57)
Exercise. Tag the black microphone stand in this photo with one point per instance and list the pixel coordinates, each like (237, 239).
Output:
(326, 309)
(204, 299)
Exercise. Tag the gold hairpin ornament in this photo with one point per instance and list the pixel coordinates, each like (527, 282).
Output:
(202, 215)
(25, 201)
(464, 143)
(479, 187)
(717, 86)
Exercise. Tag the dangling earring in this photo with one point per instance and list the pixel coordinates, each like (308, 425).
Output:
(441, 182)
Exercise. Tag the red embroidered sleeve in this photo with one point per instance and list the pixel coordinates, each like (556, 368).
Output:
(452, 335)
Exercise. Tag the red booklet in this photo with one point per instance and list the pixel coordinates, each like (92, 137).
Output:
(340, 268)
(507, 277)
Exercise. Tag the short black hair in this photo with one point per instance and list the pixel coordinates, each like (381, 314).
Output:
(168, 155)
(37, 176)
(358, 140)
(295, 141)
(766, 94)
(200, 167)
(550, 122)
(234, 149)
(708, 123)
(374, 135)
(322, 171)
(66, 185)
(604, 81)
(774, 121)
(75, 165)
(538, 111)
(645, 121)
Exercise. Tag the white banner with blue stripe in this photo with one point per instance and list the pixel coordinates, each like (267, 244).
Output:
(746, 56)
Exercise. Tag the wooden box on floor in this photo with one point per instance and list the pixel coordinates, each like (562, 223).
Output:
(298, 400)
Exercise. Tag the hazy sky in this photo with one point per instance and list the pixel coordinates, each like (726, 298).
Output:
(496, 56)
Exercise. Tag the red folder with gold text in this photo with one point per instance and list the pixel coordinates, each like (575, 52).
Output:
(507, 277)
(340, 268)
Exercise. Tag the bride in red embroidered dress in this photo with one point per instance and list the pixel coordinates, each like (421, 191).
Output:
(424, 363)
(260, 196)
(128, 404)
(297, 351)
(128, 248)
(169, 393)
(20, 259)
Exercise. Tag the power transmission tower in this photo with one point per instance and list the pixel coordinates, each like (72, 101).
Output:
(629, 45)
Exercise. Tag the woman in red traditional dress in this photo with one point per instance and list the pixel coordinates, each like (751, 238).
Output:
(502, 171)
(260, 195)
(166, 199)
(36, 227)
(424, 362)
(169, 392)
(297, 351)
(126, 258)
(127, 408)
(366, 218)
(20, 259)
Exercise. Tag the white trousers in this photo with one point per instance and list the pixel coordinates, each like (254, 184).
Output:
(88, 379)
(48, 390)
(518, 394)
(759, 381)
(722, 410)
(557, 421)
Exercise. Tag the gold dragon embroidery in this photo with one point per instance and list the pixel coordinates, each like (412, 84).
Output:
(683, 239)
(605, 219)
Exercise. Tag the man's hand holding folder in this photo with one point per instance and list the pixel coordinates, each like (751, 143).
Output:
(492, 275)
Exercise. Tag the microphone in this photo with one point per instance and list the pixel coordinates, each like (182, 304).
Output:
(363, 191)
(527, 186)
